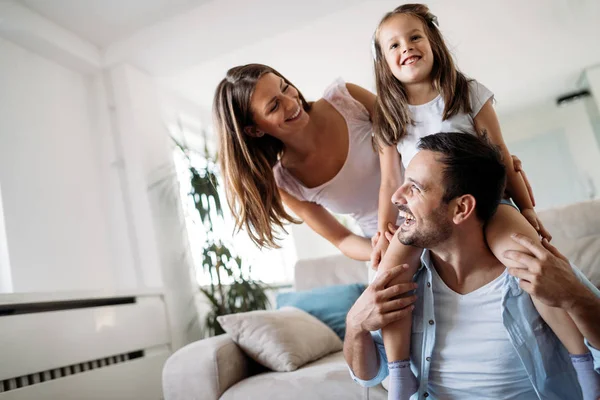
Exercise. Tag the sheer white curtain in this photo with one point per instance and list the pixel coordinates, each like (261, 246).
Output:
(5, 274)
(273, 266)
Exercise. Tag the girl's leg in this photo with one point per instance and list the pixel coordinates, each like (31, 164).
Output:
(503, 224)
(396, 336)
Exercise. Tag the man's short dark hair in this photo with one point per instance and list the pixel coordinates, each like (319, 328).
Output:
(472, 166)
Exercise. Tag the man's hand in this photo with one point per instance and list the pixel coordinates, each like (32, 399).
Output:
(547, 275)
(379, 306)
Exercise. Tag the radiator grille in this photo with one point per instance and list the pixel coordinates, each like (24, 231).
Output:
(57, 373)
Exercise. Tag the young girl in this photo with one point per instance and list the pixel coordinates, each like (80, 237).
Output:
(421, 92)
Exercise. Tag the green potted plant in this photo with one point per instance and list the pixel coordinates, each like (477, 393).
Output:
(231, 288)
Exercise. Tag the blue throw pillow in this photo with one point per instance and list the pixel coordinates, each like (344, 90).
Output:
(329, 304)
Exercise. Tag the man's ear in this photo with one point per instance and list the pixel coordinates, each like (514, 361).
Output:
(253, 131)
(464, 208)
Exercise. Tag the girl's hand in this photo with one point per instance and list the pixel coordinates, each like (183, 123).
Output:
(533, 219)
(519, 168)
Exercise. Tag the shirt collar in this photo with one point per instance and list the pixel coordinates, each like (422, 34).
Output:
(426, 260)
(426, 263)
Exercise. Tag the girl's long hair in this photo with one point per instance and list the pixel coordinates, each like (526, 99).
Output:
(392, 115)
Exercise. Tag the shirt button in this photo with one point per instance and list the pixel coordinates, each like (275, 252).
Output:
(428, 358)
(425, 394)
(428, 284)
(431, 322)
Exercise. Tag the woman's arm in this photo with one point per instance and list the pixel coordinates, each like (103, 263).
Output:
(487, 121)
(363, 96)
(325, 224)
(391, 179)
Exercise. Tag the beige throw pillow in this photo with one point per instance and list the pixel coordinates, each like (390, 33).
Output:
(282, 340)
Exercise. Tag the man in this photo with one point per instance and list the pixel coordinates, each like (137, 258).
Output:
(489, 342)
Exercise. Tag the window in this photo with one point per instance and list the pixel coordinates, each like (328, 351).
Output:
(5, 274)
(270, 266)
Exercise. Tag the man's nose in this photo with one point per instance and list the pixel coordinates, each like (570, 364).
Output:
(398, 196)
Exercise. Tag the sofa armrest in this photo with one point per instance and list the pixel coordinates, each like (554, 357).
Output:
(204, 370)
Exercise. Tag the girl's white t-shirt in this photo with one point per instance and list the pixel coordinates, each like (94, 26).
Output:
(428, 120)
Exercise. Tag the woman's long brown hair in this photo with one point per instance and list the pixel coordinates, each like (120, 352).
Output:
(392, 115)
(247, 162)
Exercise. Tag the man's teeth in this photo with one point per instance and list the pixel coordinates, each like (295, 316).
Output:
(406, 216)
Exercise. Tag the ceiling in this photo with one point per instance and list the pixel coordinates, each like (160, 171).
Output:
(103, 22)
(525, 51)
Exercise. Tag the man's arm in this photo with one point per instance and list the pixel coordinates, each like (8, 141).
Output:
(361, 354)
(373, 310)
(549, 276)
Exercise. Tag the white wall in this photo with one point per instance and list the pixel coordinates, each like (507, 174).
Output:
(591, 81)
(152, 190)
(55, 218)
(528, 134)
(79, 154)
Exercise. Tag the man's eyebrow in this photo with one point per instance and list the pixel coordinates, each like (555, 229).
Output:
(419, 184)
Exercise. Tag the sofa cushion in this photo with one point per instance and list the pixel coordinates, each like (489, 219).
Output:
(329, 304)
(282, 340)
(575, 232)
(325, 379)
(326, 271)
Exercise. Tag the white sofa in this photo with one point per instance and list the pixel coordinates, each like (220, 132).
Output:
(216, 368)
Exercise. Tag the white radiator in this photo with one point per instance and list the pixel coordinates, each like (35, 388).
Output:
(82, 346)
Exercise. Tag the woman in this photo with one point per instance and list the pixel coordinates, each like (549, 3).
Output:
(277, 148)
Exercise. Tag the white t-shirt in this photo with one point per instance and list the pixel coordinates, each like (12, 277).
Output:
(428, 120)
(472, 357)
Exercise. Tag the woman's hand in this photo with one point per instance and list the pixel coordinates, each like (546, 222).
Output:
(380, 243)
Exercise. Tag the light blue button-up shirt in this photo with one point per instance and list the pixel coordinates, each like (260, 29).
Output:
(542, 355)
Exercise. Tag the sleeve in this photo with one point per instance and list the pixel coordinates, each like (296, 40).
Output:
(595, 352)
(339, 97)
(479, 95)
(595, 355)
(287, 182)
(582, 278)
(383, 371)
